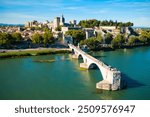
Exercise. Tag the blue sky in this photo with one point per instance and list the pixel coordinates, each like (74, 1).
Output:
(19, 11)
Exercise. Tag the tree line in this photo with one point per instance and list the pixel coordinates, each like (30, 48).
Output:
(7, 40)
(46, 38)
(93, 22)
(77, 35)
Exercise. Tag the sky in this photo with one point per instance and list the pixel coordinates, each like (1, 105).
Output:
(20, 11)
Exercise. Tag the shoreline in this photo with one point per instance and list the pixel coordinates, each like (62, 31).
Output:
(5, 53)
(123, 47)
(32, 52)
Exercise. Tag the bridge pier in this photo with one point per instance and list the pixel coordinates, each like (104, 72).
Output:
(84, 65)
(114, 85)
(105, 85)
(74, 56)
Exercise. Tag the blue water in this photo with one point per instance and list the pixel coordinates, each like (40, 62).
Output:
(22, 78)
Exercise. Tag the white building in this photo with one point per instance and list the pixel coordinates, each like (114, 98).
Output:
(74, 22)
(56, 22)
(67, 40)
(89, 32)
(65, 29)
(108, 29)
(62, 21)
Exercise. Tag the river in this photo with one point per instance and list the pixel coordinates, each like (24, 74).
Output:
(23, 78)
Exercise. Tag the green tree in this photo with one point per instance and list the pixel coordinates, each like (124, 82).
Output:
(92, 43)
(118, 41)
(77, 35)
(17, 37)
(145, 37)
(120, 24)
(1, 39)
(46, 29)
(149, 36)
(99, 38)
(128, 24)
(58, 28)
(108, 38)
(133, 40)
(89, 23)
(5, 39)
(93, 22)
(48, 37)
(37, 38)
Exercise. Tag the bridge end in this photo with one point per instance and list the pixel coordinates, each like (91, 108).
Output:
(114, 85)
(105, 85)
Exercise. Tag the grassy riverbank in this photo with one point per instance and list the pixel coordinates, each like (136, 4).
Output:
(36, 52)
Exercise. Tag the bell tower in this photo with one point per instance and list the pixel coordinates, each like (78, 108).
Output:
(62, 20)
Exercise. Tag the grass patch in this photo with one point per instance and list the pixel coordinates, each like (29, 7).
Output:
(43, 61)
(82, 69)
(13, 54)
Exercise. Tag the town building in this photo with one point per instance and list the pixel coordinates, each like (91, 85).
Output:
(65, 29)
(62, 21)
(73, 22)
(72, 25)
(67, 39)
(90, 32)
(56, 22)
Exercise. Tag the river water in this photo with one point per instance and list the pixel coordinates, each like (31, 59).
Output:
(23, 78)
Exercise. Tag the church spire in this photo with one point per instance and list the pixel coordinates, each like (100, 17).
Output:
(62, 19)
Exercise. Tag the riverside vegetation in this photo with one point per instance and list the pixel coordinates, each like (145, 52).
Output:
(13, 54)
(120, 41)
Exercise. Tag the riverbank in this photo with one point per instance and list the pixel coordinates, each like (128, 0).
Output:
(110, 48)
(32, 52)
(46, 51)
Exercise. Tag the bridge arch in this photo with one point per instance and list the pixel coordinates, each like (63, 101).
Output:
(80, 56)
(93, 66)
(73, 51)
(95, 72)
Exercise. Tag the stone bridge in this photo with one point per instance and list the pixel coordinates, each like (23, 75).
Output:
(111, 76)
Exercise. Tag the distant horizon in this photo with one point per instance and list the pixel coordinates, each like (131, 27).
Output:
(18, 11)
(1, 23)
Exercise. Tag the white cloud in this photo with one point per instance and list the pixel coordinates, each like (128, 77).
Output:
(17, 3)
(77, 0)
(17, 15)
(99, 11)
(130, 4)
(74, 8)
(12, 17)
(34, 3)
